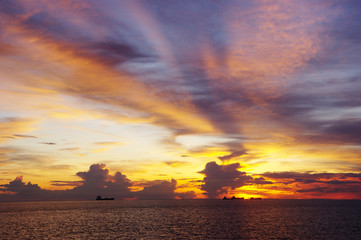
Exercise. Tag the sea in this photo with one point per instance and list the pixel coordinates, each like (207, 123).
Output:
(182, 219)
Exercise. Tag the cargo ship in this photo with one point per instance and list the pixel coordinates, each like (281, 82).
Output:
(233, 198)
(106, 198)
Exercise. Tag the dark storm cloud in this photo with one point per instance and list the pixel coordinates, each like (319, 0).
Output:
(218, 178)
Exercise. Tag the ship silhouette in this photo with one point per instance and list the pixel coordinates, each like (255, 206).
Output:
(105, 198)
(233, 198)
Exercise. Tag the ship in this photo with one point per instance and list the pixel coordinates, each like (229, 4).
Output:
(233, 198)
(105, 198)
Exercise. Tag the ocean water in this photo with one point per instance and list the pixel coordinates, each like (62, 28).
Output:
(182, 219)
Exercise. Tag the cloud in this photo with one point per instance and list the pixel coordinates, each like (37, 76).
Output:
(96, 181)
(176, 163)
(108, 143)
(23, 192)
(261, 181)
(12, 124)
(66, 183)
(23, 136)
(69, 149)
(162, 190)
(232, 155)
(258, 71)
(113, 52)
(105, 146)
(345, 130)
(318, 185)
(310, 177)
(48, 143)
(219, 178)
(186, 195)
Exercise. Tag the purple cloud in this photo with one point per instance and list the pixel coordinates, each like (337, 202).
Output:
(162, 190)
(218, 178)
(95, 181)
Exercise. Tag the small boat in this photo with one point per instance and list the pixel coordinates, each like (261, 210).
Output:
(100, 198)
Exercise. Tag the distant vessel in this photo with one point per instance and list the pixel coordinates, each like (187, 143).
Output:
(233, 198)
(258, 198)
(100, 198)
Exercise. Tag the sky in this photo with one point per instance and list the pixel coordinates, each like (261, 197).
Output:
(184, 99)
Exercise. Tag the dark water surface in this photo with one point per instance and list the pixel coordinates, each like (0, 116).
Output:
(182, 219)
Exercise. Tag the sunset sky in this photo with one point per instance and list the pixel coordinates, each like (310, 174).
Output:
(180, 99)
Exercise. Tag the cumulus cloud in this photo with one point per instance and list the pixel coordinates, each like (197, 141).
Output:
(219, 178)
(19, 190)
(162, 190)
(96, 181)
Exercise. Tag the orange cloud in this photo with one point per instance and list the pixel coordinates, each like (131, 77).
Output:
(14, 128)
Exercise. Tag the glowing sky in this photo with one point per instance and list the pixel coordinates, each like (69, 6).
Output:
(180, 99)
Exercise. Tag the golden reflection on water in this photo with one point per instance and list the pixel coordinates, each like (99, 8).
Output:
(182, 219)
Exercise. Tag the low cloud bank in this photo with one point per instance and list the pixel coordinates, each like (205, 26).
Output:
(96, 181)
(219, 180)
